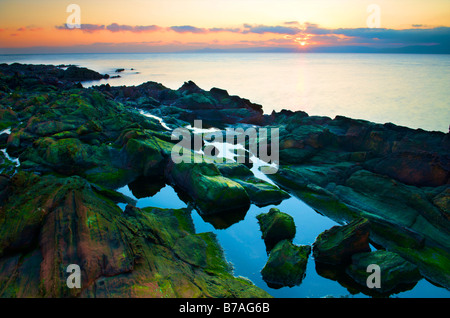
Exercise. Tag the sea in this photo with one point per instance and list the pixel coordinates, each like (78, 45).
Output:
(407, 90)
(411, 90)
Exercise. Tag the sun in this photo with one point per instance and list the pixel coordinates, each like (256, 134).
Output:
(303, 39)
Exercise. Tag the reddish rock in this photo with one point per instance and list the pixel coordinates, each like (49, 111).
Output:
(338, 244)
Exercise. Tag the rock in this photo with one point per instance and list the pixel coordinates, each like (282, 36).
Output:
(7, 118)
(195, 101)
(442, 201)
(384, 197)
(286, 265)
(145, 156)
(415, 168)
(276, 226)
(338, 244)
(261, 193)
(394, 270)
(189, 87)
(211, 192)
(76, 74)
(50, 222)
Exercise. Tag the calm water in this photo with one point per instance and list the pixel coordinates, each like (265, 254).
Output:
(410, 90)
(245, 249)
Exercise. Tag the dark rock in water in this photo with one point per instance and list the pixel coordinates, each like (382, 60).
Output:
(119, 70)
(286, 265)
(75, 74)
(394, 270)
(338, 244)
(37, 76)
(275, 227)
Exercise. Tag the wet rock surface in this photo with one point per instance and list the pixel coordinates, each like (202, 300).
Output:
(394, 270)
(276, 226)
(286, 265)
(338, 244)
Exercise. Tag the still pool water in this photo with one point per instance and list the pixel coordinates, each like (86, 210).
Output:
(245, 249)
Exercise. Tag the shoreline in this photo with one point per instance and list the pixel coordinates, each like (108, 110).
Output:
(298, 83)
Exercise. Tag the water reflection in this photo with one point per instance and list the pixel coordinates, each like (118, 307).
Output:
(240, 238)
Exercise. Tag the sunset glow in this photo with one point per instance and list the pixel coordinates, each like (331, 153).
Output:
(174, 25)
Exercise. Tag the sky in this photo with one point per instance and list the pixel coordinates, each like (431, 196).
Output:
(44, 26)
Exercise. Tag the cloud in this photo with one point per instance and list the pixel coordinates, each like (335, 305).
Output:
(262, 29)
(29, 28)
(89, 28)
(232, 30)
(406, 36)
(188, 29)
(292, 23)
(114, 27)
(303, 33)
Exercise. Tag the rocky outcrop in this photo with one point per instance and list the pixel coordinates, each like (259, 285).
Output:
(215, 107)
(32, 76)
(65, 149)
(49, 222)
(59, 207)
(395, 177)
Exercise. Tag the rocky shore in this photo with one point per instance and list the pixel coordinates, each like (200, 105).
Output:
(67, 149)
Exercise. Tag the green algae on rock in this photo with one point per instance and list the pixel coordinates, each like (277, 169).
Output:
(276, 226)
(286, 265)
(394, 270)
(121, 254)
(338, 244)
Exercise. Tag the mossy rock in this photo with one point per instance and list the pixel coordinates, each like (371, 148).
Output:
(286, 265)
(211, 192)
(276, 226)
(49, 222)
(262, 193)
(338, 244)
(394, 270)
